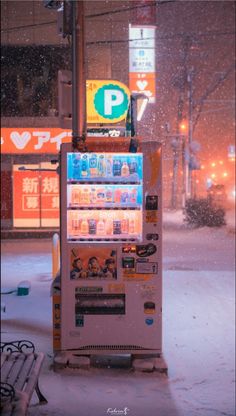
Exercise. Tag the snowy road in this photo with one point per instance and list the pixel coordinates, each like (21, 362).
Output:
(198, 326)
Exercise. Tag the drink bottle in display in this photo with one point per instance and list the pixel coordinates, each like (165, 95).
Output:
(75, 195)
(93, 196)
(124, 196)
(85, 196)
(116, 227)
(93, 165)
(84, 166)
(100, 227)
(101, 196)
(109, 226)
(125, 225)
(133, 166)
(84, 228)
(132, 225)
(117, 196)
(117, 167)
(108, 195)
(101, 166)
(125, 169)
(74, 223)
(109, 165)
(76, 167)
(133, 196)
(92, 226)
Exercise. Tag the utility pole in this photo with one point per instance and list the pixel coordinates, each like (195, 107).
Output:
(78, 77)
(188, 172)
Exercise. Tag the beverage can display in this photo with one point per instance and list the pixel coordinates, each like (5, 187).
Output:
(116, 227)
(92, 226)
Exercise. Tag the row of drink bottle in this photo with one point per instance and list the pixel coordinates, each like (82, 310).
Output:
(82, 195)
(103, 226)
(101, 166)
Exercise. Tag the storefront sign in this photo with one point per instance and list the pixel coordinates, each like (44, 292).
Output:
(142, 61)
(33, 140)
(37, 196)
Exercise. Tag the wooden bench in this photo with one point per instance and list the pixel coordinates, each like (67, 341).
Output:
(20, 369)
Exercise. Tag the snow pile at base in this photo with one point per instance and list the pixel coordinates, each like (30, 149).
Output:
(198, 334)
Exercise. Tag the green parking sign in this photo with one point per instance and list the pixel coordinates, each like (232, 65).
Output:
(107, 101)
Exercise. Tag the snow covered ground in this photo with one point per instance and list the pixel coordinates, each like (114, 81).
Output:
(198, 326)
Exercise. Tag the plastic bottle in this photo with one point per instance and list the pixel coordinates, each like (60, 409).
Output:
(76, 167)
(133, 167)
(125, 225)
(132, 225)
(108, 195)
(93, 165)
(117, 196)
(117, 167)
(109, 226)
(84, 227)
(101, 166)
(100, 227)
(84, 166)
(74, 223)
(109, 166)
(75, 195)
(133, 196)
(125, 169)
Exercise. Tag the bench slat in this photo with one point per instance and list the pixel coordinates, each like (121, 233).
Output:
(3, 358)
(33, 378)
(7, 366)
(16, 369)
(29, 362)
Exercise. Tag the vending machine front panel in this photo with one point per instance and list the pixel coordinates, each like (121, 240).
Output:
(111, 274)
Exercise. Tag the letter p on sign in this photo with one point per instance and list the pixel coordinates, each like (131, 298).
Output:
(111, 102)
(112, 98)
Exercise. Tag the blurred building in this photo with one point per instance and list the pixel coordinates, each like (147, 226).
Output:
(188, 35)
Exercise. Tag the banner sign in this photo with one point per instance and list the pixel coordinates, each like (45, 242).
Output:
(35, 197)
(142, 61)
(33, 140)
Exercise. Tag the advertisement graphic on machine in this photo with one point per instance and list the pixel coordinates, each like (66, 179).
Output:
(102, 264)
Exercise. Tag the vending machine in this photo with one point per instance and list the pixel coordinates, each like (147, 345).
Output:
(111, 248)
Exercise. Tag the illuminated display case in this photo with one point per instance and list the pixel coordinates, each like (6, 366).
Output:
(104, 196)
